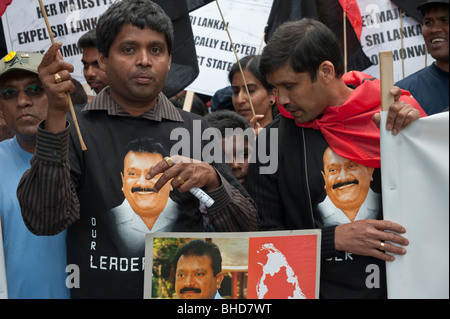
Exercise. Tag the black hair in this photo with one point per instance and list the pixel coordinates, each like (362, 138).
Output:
(139, 13)
(88, 40)
(145, 145)
(425, 9)
(224, 119)
(199, 248)
(304, 44)
(251, 64)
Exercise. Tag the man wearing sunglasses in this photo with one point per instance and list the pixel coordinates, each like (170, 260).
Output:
(35, 265)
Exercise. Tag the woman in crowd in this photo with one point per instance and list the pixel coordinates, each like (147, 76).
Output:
(262, 94)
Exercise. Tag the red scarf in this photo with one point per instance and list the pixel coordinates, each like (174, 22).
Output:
(349, 129)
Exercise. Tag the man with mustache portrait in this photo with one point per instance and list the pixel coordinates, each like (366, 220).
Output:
(143, 210)
(349, 196)
(198, 271)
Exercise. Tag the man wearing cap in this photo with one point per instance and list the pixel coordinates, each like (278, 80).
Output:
(429, 86)
(35, 265)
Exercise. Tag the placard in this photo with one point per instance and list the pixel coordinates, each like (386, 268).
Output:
(25, 28)
(415, 173)
(386, 28)
(245, 21)
(3, 286)
(259, 265)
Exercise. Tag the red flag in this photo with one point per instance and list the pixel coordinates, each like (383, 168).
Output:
(3, 5)
(354, 15)
(349, 129)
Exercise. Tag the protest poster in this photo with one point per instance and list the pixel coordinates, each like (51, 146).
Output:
(260, 265)
(25, 28)
(387, 28)
(415, 174)
(245, 21)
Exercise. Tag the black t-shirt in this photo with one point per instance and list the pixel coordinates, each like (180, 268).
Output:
(295, 197)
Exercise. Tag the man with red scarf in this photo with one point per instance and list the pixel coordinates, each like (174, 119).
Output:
(321, 108)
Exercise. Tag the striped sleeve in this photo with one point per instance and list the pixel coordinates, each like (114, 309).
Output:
(47, 198)
(232, 211)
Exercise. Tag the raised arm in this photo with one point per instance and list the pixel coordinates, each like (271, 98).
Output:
(47, 198)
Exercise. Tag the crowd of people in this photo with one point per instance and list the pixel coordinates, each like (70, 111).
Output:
(61, 205)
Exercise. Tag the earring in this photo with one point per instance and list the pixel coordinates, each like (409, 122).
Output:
(271, 102)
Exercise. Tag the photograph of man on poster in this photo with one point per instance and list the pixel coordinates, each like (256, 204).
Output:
(198, 270)
(143, 210)
(255, 265)
(347, 186)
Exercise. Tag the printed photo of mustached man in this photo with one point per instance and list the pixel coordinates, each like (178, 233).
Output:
(142, 210)
(349, 196)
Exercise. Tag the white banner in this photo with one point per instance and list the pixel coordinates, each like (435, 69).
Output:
(245, 20)
(25, 28)
(415, 175)
(3, 286)
(382, 31)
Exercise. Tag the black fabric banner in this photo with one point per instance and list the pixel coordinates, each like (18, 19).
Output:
(410, 8)
(330, 13)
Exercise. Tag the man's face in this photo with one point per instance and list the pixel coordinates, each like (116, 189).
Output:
(94, 75)
(23, 103)
(346, 182)
(137, 67)
(435, 32)
(195, 278)
(138, 190)
(237, 148)
(301, 97)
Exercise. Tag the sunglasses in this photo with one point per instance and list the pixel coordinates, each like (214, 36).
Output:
(12, 93)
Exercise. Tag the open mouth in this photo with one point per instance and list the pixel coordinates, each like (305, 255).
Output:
(438, 42)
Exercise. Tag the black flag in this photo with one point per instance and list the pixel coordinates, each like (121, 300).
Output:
(288, 10)
(330, 13)
(184, 69)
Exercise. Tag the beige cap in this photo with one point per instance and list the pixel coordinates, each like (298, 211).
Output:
(20, 60)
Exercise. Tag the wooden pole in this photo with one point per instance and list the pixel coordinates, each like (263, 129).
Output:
(72, 111)
(261, 44)
(345, 41)
(402, 42)
(188, 100)
(387, 79)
